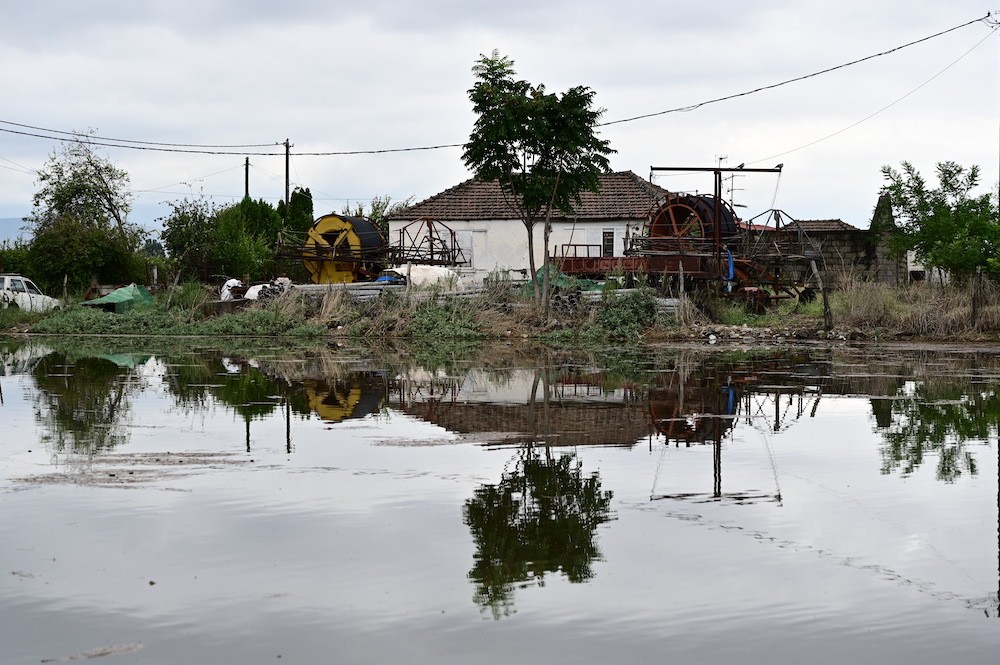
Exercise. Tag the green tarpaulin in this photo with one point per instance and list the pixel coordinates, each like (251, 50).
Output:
(123, 299)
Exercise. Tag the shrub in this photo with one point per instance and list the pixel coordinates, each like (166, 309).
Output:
(624, 316)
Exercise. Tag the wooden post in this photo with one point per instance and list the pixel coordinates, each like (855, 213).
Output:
(682, 309)
(827, 314)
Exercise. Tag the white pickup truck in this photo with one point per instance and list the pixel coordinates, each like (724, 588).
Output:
(21, 292)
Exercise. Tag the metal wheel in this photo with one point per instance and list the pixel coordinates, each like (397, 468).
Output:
(676, 218)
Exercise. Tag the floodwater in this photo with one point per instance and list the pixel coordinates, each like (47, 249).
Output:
(340, 505)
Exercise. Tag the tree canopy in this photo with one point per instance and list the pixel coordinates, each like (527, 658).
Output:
(299, 215)
(208, 241)
(541, 147)
(83, 202)
(948, 227)
(378, 211)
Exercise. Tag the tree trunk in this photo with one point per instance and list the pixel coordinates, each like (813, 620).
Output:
(530, 226)
(546, 278)
(546, 233)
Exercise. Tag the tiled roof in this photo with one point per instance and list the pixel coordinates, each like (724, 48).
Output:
(623, 195)
(813, 225)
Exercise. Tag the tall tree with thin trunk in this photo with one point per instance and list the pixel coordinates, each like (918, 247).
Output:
(541, 147)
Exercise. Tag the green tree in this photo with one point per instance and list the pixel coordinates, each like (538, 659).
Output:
(153, 248)
(71, 249)
(378, 211)
(299, 215)
(541, 147)
(245, 238)
(189, 236)
(82, 208)
(948, 227)
(232, 240)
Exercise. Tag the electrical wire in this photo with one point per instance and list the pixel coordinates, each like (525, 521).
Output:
(23, 169)
(151, 143)
(692, 107)
(188, 181)
(228, 149)
(884, 108)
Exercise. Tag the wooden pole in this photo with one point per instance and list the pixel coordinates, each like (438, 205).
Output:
(827, 314)
(288, 152)
(246, 179)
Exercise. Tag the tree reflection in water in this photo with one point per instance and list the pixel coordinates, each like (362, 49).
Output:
(541, 517)
(83, 406)
(936, 418)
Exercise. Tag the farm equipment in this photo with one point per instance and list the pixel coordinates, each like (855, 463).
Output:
(697, 241)
(339, 249)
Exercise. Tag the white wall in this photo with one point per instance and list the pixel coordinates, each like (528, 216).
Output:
(502, 245)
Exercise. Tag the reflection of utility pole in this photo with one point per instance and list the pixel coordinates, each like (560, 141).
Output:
(288, 425)
(717, 463)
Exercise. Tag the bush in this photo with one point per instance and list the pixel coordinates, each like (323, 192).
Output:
(623, 317)
(14, 257)
(449, 318)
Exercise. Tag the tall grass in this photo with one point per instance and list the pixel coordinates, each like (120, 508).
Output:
(919, 309)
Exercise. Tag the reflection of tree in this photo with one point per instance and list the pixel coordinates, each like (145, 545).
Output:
(541, 517)
(936, 419)
(251, 393)
(82, 405)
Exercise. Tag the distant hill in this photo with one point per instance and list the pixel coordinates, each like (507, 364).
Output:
(10, 228)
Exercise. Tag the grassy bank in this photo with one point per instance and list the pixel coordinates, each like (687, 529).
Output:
(860, 310)
(500, 312)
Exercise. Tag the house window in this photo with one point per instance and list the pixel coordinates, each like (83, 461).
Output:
(608, 243)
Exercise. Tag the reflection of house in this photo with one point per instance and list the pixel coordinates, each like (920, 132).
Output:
(518, 408)
(493, 238)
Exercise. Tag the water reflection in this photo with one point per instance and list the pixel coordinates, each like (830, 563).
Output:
(938, 418)
(726, 422)
(83, 404)
(541, 517)
(924, 406)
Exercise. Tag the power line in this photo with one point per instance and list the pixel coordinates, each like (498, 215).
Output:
(227, 149)
(149, 148)
(150, 143)
(692, 107)
(884, 108)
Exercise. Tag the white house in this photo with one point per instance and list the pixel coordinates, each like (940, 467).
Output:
(493, 239)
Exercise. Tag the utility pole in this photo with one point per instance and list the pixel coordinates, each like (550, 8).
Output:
(246, 179)
(288, 148)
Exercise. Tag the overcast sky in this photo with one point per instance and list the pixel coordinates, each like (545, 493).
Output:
(384, 74)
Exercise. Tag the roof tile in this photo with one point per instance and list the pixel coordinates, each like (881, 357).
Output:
(623, 195)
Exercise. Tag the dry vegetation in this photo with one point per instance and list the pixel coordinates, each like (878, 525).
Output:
(918, 310)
